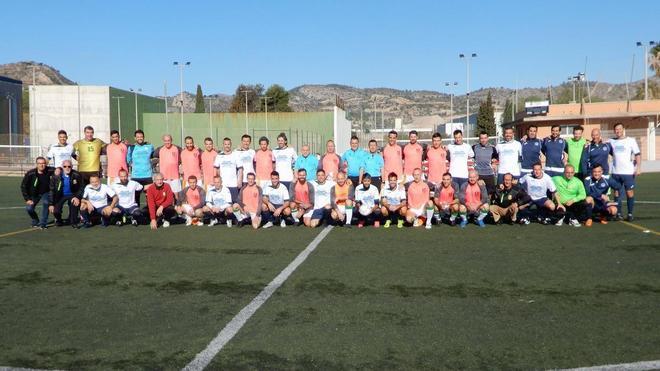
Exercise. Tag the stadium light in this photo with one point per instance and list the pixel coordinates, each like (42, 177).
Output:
(246, 109)
(266, 98)
(451, 100)
(136, 110)
(119, 113)
(181, 66)
(467, 87)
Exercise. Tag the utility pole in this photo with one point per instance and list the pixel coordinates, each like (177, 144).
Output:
(646, 66)
(119, 113)
(210, 116)
(167, 119)
(181, 65)
(136, 110)
(467, 58)
(266, 109)
(10, 98)
(246, 110)
(451, 100)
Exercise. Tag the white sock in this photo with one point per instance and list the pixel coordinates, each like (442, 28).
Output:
(429, 215)
(349, 215)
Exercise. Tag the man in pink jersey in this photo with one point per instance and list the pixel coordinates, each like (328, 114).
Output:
(393, 157)
(301, 196)
(248, 207)
(191, 162)
(474, 200)
(169, 158)
(330, 162)
(116, 152)
(419, 201)
(208, 158)
(436, 156)
(264, 163)
(446, 200)
(413, 155)
(191, 202)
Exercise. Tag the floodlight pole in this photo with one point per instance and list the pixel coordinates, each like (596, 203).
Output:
(136, 110)
(451, 100)
(118, 114)
(467, 58)
(181, 65)
(246, 110)
(266, 109)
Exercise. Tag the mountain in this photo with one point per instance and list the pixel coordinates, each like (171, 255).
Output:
(43, 73)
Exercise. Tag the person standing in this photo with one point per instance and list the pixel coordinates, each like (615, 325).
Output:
(88, 154)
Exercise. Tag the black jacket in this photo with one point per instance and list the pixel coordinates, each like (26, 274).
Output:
(30, 183)
(506, 197)
(57, 187)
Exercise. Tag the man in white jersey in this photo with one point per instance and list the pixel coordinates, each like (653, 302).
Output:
(285, 157)
(458, 154)
(126, 206)
(509, 154)
(60, 151)
(246, 156)
(275, 208)
(393, 202)
(322, 199)
(95, 201)
(218, 203)
(626, 165)
(367, 200)
(537, 185)
(228, 166)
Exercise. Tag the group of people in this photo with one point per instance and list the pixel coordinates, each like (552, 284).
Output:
(395, 185)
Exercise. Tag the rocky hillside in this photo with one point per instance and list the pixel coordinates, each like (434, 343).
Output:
(43, 73)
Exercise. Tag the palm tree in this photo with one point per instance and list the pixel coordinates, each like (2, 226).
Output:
(654, 59)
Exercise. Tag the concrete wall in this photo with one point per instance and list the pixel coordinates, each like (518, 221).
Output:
(127, 107)
(69, 108)
(342, 130)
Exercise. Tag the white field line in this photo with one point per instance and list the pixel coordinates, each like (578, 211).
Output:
(635, 366)
(203, 358)
(5, 368)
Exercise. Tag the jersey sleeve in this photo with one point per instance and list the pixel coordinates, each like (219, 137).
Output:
(634, 147)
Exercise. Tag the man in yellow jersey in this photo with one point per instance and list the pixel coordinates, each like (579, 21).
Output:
(88, 154)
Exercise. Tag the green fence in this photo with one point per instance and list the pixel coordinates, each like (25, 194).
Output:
(313, 128)
(125, 102)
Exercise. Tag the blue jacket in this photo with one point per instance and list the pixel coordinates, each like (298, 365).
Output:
(139, 158)
(309, 163)
(355, 160)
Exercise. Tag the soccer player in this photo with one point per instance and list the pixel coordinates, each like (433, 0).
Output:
(191, 162)
(437, 160)
(553, 148)
(264, 163)
(66, 188)
(61, 150)
(570, 196)
(208, 159)
(246, 157)
(374, 164)
(342, 198)
(485, 161)
(506, 199)
(509, 153)
(218, 203)
(413, 155)
(393, 157)
(474, 201)
(322, 199)
(248, 207)
(301, 196)
(285, 157)
(95, 201)
(35, 188)
(116, 152)
(88, 154)
(353, 161)
(531, 150)
(598, 188)
(537, 185)
(169, 158)
(367, 202)
(330, 161)
(393, 202)
(160, 202)
(139, 157)
(126, 206)
(419, 200)
(275, 208)
(191, 202)
(458, 154)
(596, 152)
(307, 161)
(228, 166)
(625, 168)
(446, 200)
(574, 148)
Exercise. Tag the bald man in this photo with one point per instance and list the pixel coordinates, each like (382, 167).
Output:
(307, 161)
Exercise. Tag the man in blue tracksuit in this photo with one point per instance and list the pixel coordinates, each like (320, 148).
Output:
(373, 164)
(596, 152)
(307, 161)
(531, 150)
(353, 161)
(554, 150)
(139, 158)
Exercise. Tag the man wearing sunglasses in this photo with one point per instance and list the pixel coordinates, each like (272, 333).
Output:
(66, 188)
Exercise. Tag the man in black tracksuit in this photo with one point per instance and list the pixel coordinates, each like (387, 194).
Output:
(35, 187)
(506, 199)
(66, 188)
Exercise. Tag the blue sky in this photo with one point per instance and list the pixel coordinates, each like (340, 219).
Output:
(409, 44)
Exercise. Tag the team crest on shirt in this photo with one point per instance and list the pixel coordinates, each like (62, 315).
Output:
(75, 181)
(536, 144)
(510, 197)
(163, 193)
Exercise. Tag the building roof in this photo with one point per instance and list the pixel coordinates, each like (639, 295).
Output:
(600, 110)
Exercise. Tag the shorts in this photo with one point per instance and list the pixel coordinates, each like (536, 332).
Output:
(417, 212)
(143, 181)
(318, 213)
(175, 184)
(365, 210)
(127, 210)
(112, 180)
(234, 193)
(540, 202)
(602, 206)
(188, 209)
(308, 214)
(459, 181)
(341, 209)
(626, 180)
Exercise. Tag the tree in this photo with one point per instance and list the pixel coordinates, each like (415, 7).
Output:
(507, 116)
(199, 100)
(486, 117)
(278, 99)
(654, 59)
(654, 91)
(253, 96)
